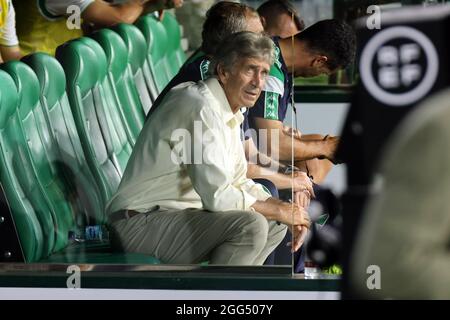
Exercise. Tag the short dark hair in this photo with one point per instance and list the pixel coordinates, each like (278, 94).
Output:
(332, 38)
(272, 8)
(222, 19)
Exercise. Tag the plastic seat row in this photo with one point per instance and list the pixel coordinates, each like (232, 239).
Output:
(67, 129)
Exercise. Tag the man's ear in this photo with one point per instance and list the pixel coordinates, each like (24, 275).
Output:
(222, 74)
(263, 22)
(319, 61)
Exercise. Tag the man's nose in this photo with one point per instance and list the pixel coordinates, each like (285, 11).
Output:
(258, 80)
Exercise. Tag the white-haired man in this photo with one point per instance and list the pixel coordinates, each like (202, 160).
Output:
(184, 197)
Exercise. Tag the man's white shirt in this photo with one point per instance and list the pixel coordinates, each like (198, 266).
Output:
(198, 171)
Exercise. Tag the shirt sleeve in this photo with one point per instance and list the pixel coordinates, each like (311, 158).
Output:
(8, 35)
(219, 181)
(256, 190)
(267, 106)
(59, 7)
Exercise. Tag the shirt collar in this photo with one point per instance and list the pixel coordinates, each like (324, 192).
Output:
(230, 119)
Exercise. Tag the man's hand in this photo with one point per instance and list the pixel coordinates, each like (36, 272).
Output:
(299, 234)
(283, 212)
(302, 182)
(302, 198)
(291, 132)
(293, 214)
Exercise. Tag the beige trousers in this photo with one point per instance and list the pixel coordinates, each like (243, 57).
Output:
(193, 236)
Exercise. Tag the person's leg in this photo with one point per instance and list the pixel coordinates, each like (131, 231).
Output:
(270, 186)
(299, 260)
(277, 233)
(282, 253)
(193, 236)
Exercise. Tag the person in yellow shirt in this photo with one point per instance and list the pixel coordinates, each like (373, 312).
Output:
(43, 25)
(9, 44)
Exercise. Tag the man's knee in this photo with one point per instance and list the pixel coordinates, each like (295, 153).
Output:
(277, 232)
(278, 229)
(256, 228)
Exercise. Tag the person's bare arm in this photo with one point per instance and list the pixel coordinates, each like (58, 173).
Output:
(260, 166)
(103, 14)
(9, 53)
(283, 212)
(157, 5)
(298, 181)
(303, 149)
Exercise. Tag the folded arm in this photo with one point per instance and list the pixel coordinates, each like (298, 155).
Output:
(279, 142)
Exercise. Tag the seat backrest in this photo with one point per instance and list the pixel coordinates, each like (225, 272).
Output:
(137, 58)
(73, 164)
(33, 165)
(20, 191)
(95, 111)
(119, 66)
(175, 53)
(121, 80)
(156, 37)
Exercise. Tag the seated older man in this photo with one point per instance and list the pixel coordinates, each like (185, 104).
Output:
(184, 197)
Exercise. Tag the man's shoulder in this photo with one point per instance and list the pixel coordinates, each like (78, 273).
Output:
(276, 78)
(278, 62)
(190, 93)
(186, 102)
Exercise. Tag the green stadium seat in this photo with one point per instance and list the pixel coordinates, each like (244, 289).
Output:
(109, 85)
(97, 116)
(19, 185)
(137, 58)
(36, 188)
(175, 53)
(121, 80)
(156, 37)
(59, 117)
(33, 165)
